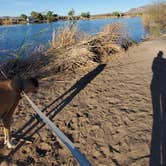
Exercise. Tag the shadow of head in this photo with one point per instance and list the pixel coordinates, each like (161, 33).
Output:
(160, 54)
(159, 64)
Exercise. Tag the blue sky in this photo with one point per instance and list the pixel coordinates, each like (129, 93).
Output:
(61, 7)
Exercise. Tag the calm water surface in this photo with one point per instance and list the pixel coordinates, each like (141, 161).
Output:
(37, 36)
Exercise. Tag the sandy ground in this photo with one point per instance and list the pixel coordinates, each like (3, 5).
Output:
(106, 111)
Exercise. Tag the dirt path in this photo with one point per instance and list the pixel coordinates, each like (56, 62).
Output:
(107, 113)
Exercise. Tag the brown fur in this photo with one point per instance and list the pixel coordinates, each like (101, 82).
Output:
(10, 94)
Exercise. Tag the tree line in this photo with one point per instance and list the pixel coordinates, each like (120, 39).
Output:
(51, 16)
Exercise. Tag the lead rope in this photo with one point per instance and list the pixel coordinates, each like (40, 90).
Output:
(75, 151)
(82, 160)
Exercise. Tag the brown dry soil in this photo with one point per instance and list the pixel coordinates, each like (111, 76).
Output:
(105, 110)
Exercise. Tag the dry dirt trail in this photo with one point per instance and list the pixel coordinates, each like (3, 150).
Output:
(107, 113)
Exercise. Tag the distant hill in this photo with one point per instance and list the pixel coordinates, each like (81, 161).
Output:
(131, 12)
(138, 10)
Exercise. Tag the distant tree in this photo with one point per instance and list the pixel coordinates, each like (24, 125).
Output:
(34, 14)
(71, 13)
(49, 14)
(85, 14)
(23, 16)
(37, 15)
(55, 15)
(40, 16)
(116, 14)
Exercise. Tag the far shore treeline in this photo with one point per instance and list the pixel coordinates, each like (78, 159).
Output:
(50, 16)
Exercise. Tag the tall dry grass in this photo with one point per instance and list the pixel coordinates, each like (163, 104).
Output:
(154, 18)
(67, 36)
(112, 35)
(111, 39)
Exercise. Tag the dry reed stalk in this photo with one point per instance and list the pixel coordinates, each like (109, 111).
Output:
(67, 36)
(64, 37)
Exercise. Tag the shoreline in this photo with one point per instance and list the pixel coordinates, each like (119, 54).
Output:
(68, 19)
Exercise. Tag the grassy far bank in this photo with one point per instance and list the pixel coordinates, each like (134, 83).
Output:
(50, 16)
(38, 17)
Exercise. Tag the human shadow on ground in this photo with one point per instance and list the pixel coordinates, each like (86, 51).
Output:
(158, 94)
(33, 126)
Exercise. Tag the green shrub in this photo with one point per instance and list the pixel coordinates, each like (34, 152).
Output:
(85, 14)
(116, 14)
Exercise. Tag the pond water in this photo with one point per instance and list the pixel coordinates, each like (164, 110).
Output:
(37, 36)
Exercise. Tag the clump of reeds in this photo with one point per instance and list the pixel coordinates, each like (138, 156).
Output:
(112, 39)
(67, 36)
